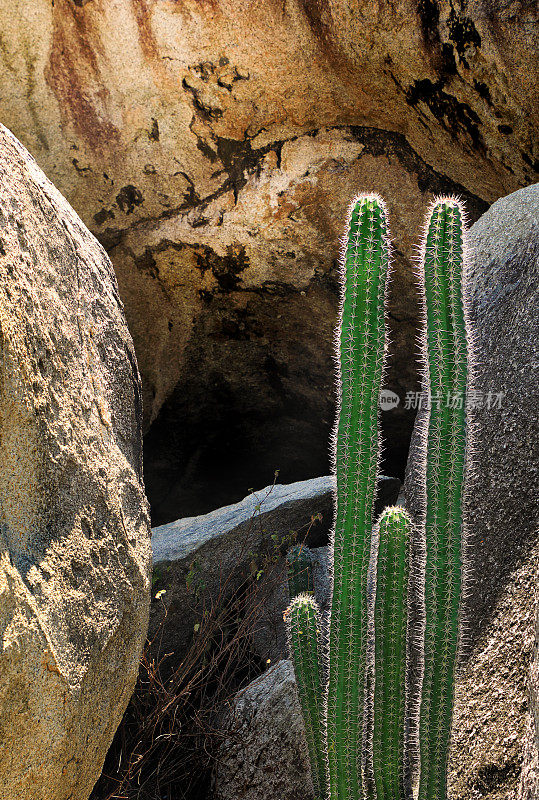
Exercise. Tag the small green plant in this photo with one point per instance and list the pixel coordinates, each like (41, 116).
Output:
(304, 642)
(194, 579)
(299, 569)
(366, 758)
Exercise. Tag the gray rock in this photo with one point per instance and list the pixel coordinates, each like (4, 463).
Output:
(293, 502)
(264, 756)
(74, 526)
(200, 560)
(529, 778)
(491, 725)
(501, 514)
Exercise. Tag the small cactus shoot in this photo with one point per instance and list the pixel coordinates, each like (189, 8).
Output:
(393, 533)
(299, 570)
(301, 619)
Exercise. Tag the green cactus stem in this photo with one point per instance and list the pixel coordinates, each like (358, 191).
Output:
(393, 533)
(360, 353)
(446, 371)
(302, 621)
(299, 570)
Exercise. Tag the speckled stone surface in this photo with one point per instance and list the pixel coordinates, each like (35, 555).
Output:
(75, 553)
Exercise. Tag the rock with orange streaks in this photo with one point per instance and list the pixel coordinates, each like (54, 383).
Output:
(214, 146)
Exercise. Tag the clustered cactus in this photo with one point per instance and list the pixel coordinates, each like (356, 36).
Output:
(356, 697)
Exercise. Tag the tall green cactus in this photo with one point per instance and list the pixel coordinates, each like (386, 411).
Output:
(445, 378)
(360, 352)
(391, 628)
(299, 570)
(304, 643)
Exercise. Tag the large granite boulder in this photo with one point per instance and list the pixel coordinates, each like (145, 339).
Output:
(502, 513)
(216, 168)
(200, 562)
(74, 529)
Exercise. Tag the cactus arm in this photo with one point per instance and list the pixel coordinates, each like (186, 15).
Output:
(393, 532)
(304, 641)
(360, 359)
(299, 570)
(446, 367)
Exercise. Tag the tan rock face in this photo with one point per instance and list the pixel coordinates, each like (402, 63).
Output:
(214, 146)
(529, 780)
(74, 528)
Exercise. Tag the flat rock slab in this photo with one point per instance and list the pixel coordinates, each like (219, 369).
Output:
(195, 558)
(75, 551)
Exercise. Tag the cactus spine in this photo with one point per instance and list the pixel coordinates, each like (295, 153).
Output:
(445, 365)
(299, 570)
(393, 533)
(304, 642)
(361, 348)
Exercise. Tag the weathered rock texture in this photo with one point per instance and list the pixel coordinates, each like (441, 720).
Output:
(502, 518)
(529, 778)
(490, 726)
(214, 148)
(265, 755)
(74, 527)
(200, 562)
(503, 514)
